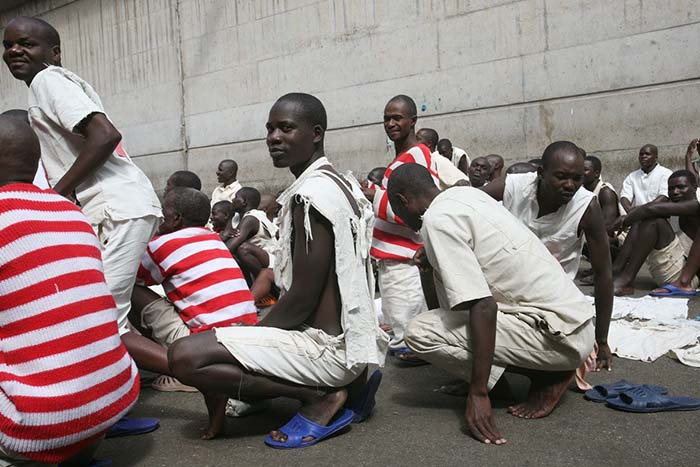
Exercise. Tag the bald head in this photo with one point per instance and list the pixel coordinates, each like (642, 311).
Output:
(44, 30)
(411, 189)
(429, 137)
(19, 151)
(496, 162)
(407, 101)
(19, 114)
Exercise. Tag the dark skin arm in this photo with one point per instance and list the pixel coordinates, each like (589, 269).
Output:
(482, 325)
(463, 166)
(495, 188)
(626, 204)
(608, 205)
(692, 148)
(655, 210)
(313, 262)
(101, 139)
(593, 227)
(246, 229)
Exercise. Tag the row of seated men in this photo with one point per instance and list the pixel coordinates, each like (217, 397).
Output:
(77, 259)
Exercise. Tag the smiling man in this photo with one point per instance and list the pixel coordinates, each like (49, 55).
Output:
(552, 204)
(486, 319)
(665, 249)
(84, 160)
(323, 332)
(394, 244)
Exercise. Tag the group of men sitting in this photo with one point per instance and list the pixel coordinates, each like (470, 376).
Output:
(77, 315)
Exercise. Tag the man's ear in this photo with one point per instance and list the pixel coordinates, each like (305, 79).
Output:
(540, 171)
(179, 220)
(318, 133)
(402, 199)
(56, 55)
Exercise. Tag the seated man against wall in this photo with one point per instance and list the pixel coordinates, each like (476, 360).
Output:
(448, 174)
(205, 288)
(653, 239)
(323, 333)
(647, 184)
(485, 319)
(221, 213)
(59, 339)
(255, 239)
(457, 156)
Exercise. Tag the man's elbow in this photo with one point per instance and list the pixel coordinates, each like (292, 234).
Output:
(112, 138)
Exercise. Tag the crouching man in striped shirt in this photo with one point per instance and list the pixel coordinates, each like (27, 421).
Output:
(65, 376)
(204, 285)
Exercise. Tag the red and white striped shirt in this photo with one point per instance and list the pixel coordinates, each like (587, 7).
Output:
(391, 238)
(200, 277)
(65, 376)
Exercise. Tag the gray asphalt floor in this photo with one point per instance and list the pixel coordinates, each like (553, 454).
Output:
(415, 426)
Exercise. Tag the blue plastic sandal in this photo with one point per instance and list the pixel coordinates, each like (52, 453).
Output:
(639, 400)
(132, 426)
(300, 427)
(363, 407)
(605, 392)
(673, 291)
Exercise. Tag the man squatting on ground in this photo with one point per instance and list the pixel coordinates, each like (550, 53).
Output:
(325, 227)
(484, 319)
(84, 160)
(60, 349)
(552, 204)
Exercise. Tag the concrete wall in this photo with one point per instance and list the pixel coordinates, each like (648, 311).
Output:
(190, 82)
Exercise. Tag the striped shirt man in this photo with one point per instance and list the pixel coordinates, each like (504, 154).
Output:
(391, 238)
(200, 278)
(64, 373)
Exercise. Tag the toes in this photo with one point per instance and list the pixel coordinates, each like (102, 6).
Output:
(278, 436)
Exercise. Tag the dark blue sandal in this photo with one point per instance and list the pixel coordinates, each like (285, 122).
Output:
(132, 426)
(639, 400)
(364, 405)
(300, 427)
(605, 392)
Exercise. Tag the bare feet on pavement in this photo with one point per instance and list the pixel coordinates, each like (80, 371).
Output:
(545, 391)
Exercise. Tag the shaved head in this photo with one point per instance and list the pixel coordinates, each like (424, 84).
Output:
(308, 107)
(429, 137)
(19, 151)
(46, 32)
(407, 101)
(18, 114)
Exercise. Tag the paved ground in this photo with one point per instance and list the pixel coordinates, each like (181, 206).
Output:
(415, 426)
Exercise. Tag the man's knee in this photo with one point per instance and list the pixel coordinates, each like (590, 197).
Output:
(182, 359)
(418, 334)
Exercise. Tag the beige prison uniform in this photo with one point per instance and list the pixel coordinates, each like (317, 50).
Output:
(309, 356)
(478, 249)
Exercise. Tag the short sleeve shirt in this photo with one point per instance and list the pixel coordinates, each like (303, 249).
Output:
(59, 101)
(641, 188)
(478, 249)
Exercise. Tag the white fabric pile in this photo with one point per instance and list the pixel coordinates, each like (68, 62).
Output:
(648, 327)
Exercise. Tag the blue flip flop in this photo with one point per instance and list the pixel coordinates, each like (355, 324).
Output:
(364, 405)
(639, 400)
(605, 392)
(401, 351)
(132, 426)
(673, 291)
(299, 427)
(95, 463)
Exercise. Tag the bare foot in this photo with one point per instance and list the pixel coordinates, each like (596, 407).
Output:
(216, 406)
(545, 391)
(623, 290)
(320, 411)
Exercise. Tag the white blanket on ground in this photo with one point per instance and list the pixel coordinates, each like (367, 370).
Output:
(648, 327)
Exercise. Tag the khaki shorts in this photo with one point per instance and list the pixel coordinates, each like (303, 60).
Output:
(665, 265)
(309, 357)
(162, 318)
